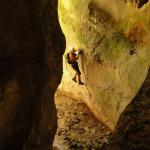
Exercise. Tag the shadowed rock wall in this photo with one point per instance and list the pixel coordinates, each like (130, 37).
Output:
(31, 49)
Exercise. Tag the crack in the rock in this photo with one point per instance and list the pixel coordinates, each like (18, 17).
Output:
(139, 3)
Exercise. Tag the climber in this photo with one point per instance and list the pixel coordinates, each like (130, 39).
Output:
(72, 58)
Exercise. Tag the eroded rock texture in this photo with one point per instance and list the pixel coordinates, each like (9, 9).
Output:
(139, 3)
(31, 49)
(114, 36)
(132, 130)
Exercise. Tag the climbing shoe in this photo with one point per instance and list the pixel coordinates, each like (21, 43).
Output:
(81, 83)
(74, 79)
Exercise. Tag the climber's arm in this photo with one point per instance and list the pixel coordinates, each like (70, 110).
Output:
(79, 53)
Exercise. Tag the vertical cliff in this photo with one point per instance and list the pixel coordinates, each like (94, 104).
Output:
(132, 129)
(31, 49)
(114, 36)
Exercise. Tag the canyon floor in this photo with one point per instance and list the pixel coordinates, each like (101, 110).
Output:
(78, 129)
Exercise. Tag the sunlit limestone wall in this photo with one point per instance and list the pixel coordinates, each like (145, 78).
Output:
(114, 36)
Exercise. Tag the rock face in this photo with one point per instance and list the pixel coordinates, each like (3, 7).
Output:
(114, 36)
(132, 130)
(138, 3)
(31, 49)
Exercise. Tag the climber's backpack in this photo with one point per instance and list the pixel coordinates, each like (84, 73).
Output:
(67, 58)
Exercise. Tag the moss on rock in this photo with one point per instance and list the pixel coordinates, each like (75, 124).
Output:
(115, 37)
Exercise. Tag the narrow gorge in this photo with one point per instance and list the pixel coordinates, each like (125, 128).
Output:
(36, 86)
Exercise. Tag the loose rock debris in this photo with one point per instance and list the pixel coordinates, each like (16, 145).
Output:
(78, 129)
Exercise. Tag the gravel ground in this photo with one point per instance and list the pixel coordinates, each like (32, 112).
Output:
(78, 129)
